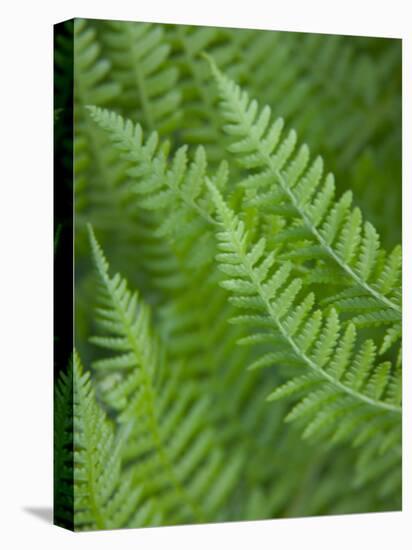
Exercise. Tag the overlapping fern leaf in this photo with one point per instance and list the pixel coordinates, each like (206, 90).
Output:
(175, 191)
(342, 379)
(171, 189)
(205, 339)
(103, 498)
(320, 230)
(171, 448)
(330, 75)
(161, 182)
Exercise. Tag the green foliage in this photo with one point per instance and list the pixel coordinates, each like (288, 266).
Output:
(102, 499)
(63, 449)
(138, 54)
(318, 228)
(339, 383)
(256, 372)
(173, 450)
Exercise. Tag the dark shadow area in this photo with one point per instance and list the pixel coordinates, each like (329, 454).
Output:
(42, 512)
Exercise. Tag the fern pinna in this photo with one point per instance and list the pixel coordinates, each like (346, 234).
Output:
(247, 363)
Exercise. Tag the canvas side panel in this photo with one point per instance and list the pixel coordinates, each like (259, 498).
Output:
(63, 275)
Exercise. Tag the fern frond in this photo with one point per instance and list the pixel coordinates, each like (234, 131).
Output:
(186, 216)
(103, 499)
(321, 79)
(91, 69)
(157, 183)
(371, 111)
(200, 118)
(277, 303)
(346, 378)
(93, 84)
(170, 446)
(139, 53)
(330, 232)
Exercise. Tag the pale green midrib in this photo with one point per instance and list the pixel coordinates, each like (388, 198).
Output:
(191, 203)
(179, 488)
(354, 394)
(269, 161)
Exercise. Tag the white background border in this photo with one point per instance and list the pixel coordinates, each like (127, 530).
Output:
(26, 263)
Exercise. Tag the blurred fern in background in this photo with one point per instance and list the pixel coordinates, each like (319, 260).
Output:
(238, 307)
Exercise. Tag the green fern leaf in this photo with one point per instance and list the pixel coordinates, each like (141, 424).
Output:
(317, 341)
(139, 54)
(333, 234)
(103, 499)
(158, 185)
(170, 444)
